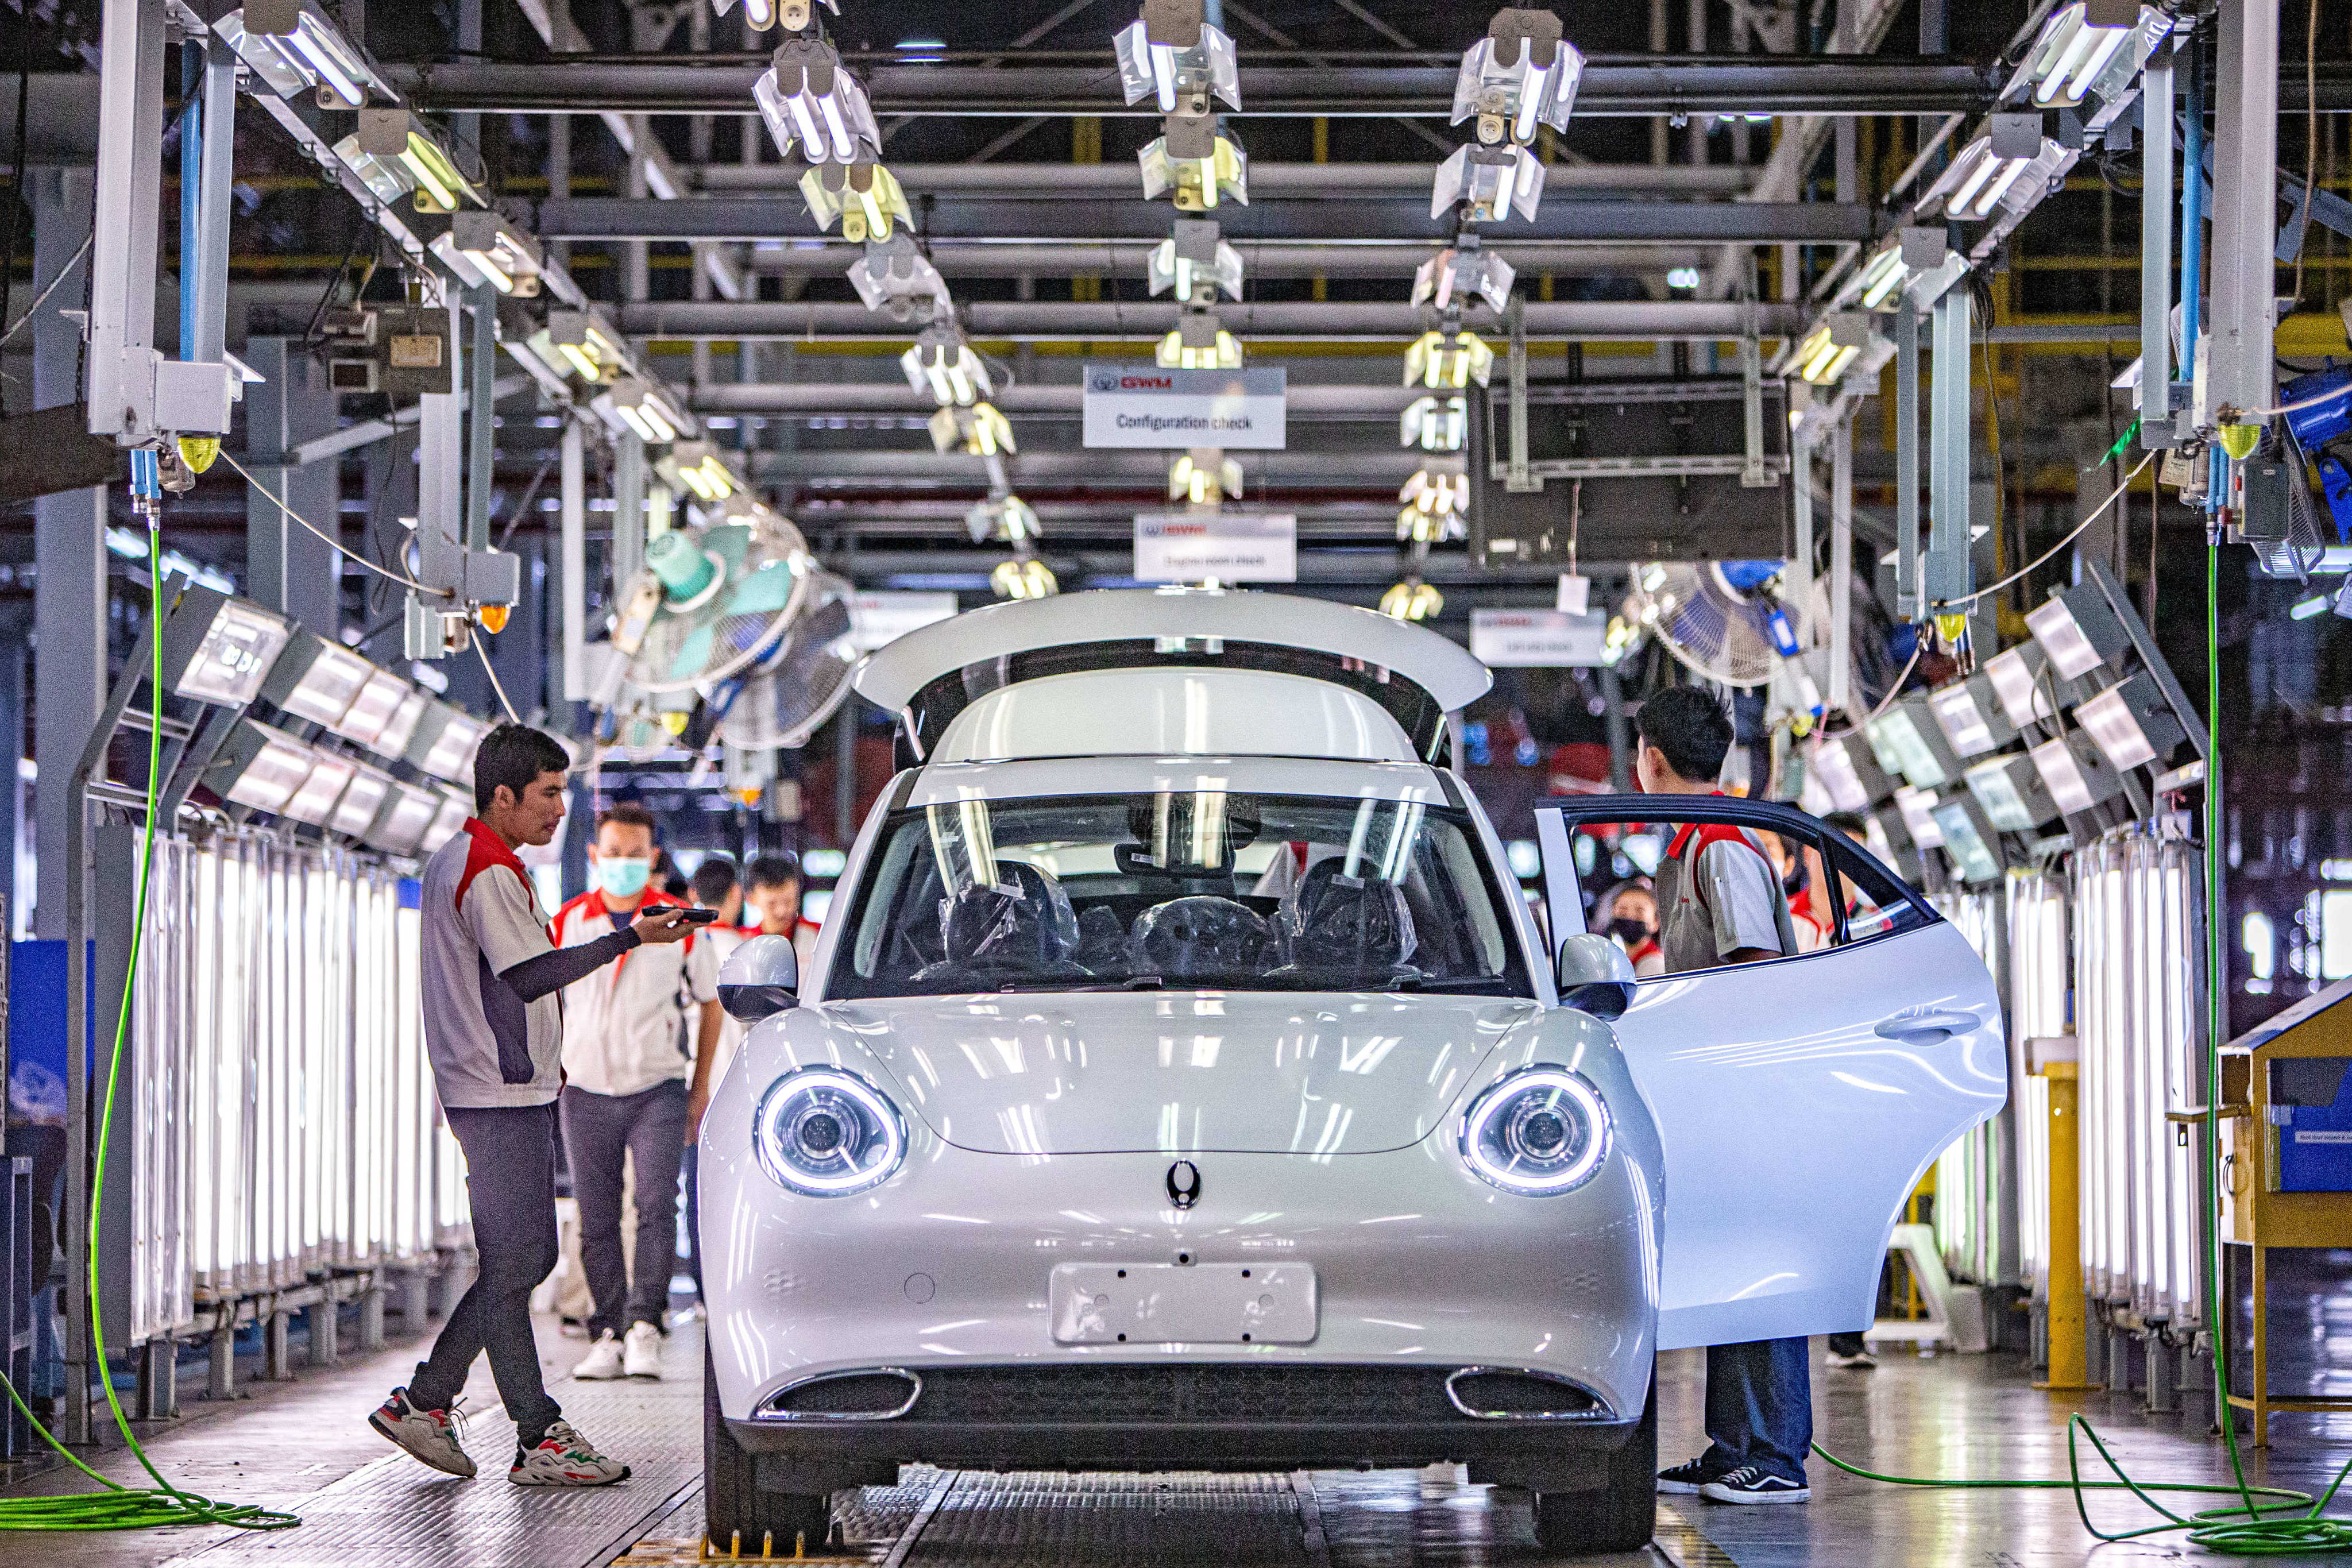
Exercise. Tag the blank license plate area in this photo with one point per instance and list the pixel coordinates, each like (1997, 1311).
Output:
(1199, 1303)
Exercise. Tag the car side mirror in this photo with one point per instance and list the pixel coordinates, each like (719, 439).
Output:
(760, 979)
(1594, 975)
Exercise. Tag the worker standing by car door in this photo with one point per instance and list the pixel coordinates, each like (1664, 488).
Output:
(1719, 903)
(625, 1093)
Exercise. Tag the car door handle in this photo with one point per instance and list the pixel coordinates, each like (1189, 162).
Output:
(1929, 1028)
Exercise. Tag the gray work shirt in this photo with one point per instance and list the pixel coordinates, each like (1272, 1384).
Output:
(1718, 892)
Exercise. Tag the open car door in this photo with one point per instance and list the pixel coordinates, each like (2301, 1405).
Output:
(1798, 1097)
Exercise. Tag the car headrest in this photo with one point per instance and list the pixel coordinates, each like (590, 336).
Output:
(1331, 920)
(1201, 937)
(1021, 922)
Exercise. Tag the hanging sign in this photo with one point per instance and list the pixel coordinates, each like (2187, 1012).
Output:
(1143, 405)
(1538, 637)
(1228, 546)
(881, 617)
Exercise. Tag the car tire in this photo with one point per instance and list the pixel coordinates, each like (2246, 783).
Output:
(1620, 1516)
(733, 1506)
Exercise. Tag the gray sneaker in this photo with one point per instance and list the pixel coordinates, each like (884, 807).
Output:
(434, 1437)
(563, 1458)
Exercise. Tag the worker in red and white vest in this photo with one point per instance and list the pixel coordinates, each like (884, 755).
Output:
(627, 1070)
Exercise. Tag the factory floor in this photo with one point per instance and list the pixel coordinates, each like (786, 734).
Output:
(305, 1447)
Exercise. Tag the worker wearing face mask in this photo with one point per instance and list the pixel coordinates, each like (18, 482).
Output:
(1630, 917)
(626, 1071)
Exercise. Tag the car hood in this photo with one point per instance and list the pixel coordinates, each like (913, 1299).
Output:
(1176, 1072)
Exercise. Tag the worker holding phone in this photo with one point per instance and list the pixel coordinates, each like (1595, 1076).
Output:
(626, 1092)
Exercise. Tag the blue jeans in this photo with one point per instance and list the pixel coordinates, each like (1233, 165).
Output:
(1759, 1407)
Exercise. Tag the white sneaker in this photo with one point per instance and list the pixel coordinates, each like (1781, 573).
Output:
(602, 1361)
(563, 1458)
(641, 1351)
(433, 1436)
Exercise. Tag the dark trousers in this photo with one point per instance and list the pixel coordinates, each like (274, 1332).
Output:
(650, 1126)
(1759, 1406)
(510, 1186)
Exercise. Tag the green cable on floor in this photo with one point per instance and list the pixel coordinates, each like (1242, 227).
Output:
(119, 1507)
(2244, 1528)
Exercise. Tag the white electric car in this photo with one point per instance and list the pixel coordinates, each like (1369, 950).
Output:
(1181, 1082)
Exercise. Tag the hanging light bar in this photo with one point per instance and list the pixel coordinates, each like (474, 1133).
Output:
(695, 466)
(2131, 722)
(2008, 167)
(373, 709)
(894, 276)
(220, 650)
(763, 15)
(1199, 341)
(1464, 270)
(1024, 577)
(1434, 424)
(1172, 55)
(641, 407)
(1199, 164)
(397, 136)
(2078, 630)
(444, 743)
(316, 679)
(400, 826)
(808, 99)
(943, 363)
(295, 50)
(979, 431)
(1006, 518)
(1412, 600)
(1447, 362)
(587, 345)
(866, 197)
(1204, 476)
(261, 766)
(1195, 259)
(1830, 350)
(2088, 50)
(361, 802)
(1521, 74)
(2016, 677)
(1491, 182)
(504, 255)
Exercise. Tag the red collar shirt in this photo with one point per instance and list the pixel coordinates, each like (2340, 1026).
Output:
(626, 1027)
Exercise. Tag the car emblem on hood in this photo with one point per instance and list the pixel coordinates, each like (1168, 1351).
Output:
(1183, 1184)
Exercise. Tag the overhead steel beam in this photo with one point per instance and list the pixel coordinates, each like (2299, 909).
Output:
(1025, 399)
(752, 218)
(1264, 259)
(1366, 468)
(1369, 566)
(1322, 182)
(1633, 320)
(1087, 84)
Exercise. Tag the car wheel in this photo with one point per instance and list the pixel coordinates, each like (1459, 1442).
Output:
(1618, 1517)
(734, 1509)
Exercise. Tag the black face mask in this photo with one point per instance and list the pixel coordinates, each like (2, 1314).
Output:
(1629, 930)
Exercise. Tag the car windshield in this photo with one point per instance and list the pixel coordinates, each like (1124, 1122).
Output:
(1193, 890)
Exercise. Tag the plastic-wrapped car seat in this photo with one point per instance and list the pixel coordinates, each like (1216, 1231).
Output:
(1021, 927)
(1102, 941)
(1201, 937)
(1335, 924)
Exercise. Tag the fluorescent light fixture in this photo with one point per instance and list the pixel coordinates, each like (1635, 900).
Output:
(1981, 181)
(1973, 728)
(2131, 722)
(2086, 52)
(1412, 600)
(400, 729)
(1203, 476)
(388, 178)
(943, 363)
(505, 255)
(808, 99)
(1970, 838)
(1454, 273)
(448, 818)
(374, 709)
(1005, 518)
(1192, 258)
(261, 766)
(1490, 183)
(362, 800)
(394, 136)
(1170, 53)
(641, 408)
(128, 544)
(1833, 766)
(444, 741)
(220, 650)
(1883, 275)
(586, 346)
(1907, 741)
(316, 680)
(1878, 841)
(1198, 342)
(1444, 362)
(2078, 630)
(400, 826)
(2076, 776)
(696, 466)
(2303, 610)
(1196, 165)
(893, 276)
(1023, 577)
(1828, 351)
(1440, 486)
(1521, 74)
(2015, 676)
(979, 431)
(297, 50)
(1918, 809)
(866, 197)
(1434, 424)
(2011, 793)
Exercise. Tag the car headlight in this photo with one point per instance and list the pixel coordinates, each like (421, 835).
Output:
(1540, 1131)
(825, 1132)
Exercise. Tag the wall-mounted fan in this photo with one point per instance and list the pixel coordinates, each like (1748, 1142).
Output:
(1721, 619)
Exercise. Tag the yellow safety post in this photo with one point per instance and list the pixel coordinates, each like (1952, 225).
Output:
(2069, 1312)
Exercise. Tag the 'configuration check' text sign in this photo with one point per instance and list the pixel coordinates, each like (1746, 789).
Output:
(1143, 405)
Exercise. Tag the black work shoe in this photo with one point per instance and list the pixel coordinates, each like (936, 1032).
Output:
(1748, 1484)
(1685, 1480)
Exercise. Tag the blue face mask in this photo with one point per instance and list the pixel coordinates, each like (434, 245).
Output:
(623, 879)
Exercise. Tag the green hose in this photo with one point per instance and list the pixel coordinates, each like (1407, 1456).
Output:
(118, 1507)
(2240, 1528)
